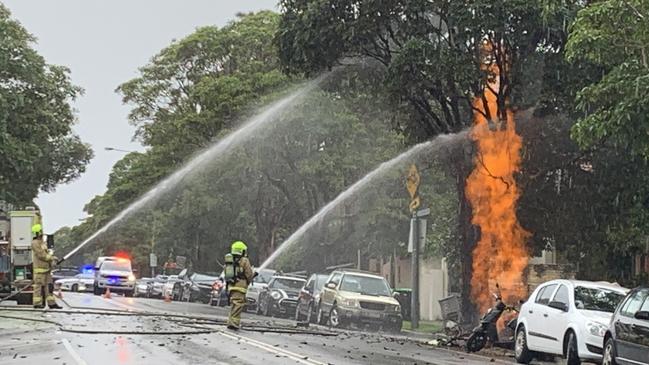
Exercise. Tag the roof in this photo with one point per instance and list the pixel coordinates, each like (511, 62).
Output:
(591, 284)
(288, 277)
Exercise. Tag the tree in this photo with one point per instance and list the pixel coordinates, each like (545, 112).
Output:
(38, 149)
(614, 35)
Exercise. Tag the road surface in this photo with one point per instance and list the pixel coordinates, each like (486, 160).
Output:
(94, 330)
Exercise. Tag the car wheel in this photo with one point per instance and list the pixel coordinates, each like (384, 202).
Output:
(334, 318)
(572, 353)
(128, 294)
(609, 353)
(522, 354)
(75, 287)
(96, 291)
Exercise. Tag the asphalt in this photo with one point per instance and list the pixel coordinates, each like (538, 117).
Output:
(150, 331)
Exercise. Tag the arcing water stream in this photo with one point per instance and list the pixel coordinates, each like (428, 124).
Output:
(217, 150)
(360, 185)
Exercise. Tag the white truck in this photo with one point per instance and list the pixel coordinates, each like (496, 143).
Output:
(16, 253)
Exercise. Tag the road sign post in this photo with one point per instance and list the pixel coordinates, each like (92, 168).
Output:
(417, 235)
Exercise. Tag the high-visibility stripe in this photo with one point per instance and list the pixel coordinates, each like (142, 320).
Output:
(238, 289)
(41, 271)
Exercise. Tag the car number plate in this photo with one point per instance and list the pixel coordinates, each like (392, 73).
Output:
(374, 314)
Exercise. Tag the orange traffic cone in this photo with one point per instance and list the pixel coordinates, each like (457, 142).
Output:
(107, 293)
(167, 298)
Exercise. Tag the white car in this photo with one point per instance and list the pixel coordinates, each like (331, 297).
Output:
(258, 284)
(168, 287)
(79, 282)
(567, 318)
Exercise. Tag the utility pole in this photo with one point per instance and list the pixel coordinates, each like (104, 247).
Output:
(412, 184)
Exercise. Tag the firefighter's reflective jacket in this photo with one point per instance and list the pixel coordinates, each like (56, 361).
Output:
(243, 277)
(41, 256)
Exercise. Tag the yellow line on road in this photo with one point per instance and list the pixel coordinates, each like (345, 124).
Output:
(272, 349)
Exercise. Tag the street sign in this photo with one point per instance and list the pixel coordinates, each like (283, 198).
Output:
(412, 181)
(181, 261)
(422, 233)
(153, 260)
(411, 236)
(423, 213)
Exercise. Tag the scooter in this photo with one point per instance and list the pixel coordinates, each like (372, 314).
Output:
(487, 331)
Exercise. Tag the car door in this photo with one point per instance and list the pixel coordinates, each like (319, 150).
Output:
(305, 295)
(538, 338)
(554, 321)
(328, 294)
(625, 325)
(639, 339)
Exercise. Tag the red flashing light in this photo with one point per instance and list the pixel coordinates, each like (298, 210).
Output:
(122, 255)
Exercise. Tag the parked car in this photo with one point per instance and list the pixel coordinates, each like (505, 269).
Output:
(280, 296)
(627, 338)
(115, 274)
(65, 272)
(143, 287)
(567, 318)
(308, 298)
(194, 287)
(79, 282)
(258, 284)
(158, 285)
(219, 293)
(168, 286)
(358, 298)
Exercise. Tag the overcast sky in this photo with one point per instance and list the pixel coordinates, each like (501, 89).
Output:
(103, 43)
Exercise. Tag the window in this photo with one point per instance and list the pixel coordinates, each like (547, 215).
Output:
(336, 278)
(376, 286)
(645, 306)
(562, 295)
(597, 299)
(545, 294)
(309, 285)
(633, 304)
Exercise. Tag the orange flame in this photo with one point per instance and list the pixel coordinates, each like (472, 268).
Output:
(500, 256)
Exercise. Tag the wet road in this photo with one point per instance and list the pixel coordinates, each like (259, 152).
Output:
(150, 331)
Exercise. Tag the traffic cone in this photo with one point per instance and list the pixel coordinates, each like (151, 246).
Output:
(107, 293)
(167, 298)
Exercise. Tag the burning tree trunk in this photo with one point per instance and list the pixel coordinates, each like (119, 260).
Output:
(500, 255)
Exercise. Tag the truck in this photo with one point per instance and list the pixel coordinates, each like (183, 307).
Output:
(16, 272)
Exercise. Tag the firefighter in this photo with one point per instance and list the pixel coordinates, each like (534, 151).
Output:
(43, 262)
(238, 285)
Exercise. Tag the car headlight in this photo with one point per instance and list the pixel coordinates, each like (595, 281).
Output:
(397, 308)
(596, 328)
(131, 277)
(348, 302)
(275, 295)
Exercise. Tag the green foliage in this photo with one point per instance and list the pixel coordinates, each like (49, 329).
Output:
(38, 149)
(615, 35)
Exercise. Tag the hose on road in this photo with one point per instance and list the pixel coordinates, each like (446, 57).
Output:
(179, 319)
(29, 284)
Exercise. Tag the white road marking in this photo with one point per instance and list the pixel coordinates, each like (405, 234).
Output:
(73, 353)
(272, 349)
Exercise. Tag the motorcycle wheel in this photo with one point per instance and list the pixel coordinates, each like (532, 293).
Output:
(476, 341)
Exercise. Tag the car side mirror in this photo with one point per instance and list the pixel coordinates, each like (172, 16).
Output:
(331, 285)
(558, 305)
(642, 315)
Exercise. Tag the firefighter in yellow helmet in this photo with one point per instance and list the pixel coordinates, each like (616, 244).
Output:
(238, 284)
(43, 263)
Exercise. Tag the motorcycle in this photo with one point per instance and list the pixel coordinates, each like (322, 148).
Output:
(487, 331)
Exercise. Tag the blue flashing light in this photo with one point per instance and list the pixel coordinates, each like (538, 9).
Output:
(88, 269)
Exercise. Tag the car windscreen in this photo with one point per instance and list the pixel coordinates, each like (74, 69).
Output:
(320, 281)
(264, 277)
(206, 278)
(597, 299)
(365, 285)
(85, 276)
(287, 284)
(116, 265)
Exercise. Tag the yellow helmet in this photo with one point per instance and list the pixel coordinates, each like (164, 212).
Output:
(37, 229)
(238, 248)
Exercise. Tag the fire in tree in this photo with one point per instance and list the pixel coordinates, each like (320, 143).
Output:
(501, 255)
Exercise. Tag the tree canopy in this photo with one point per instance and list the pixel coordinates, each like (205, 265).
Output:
(38, 149)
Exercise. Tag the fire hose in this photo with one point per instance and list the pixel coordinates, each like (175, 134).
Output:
(28, 284)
